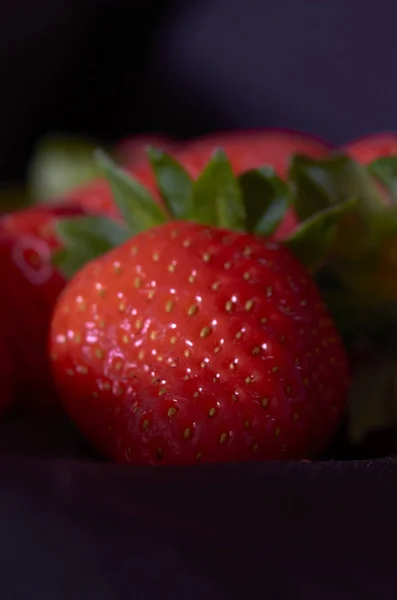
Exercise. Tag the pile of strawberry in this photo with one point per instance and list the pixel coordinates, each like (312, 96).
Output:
(226, 299)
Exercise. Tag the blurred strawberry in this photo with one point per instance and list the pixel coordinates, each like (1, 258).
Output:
(30, 287)
(370, 147)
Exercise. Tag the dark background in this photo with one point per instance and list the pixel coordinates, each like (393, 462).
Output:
(74, 528)
(108, 68)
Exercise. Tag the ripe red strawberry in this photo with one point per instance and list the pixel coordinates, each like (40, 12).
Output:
(342, 236)
(371, 147)
(30, 287)
(7, 379)
(194, 343)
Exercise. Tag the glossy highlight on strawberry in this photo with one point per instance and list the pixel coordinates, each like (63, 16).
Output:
(191, 344)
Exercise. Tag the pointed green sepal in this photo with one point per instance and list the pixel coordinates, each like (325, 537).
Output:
(174, 183)
(266, 198)
(313, 241)
(135, 203)
(319, 184)
(217, 198)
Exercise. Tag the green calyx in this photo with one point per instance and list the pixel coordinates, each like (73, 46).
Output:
(256, 201)
(343, 232)
(340, 224)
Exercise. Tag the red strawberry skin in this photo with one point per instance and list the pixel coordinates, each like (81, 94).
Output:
(371, 147)
(7, 379)
(30, 288)
(191, 344)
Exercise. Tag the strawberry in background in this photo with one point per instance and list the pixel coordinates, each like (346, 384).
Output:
(371, 147)
(31, 285)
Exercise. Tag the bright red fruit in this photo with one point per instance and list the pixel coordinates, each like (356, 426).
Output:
(371, 147)
(191, 343)
(7, 379)
(30, 288)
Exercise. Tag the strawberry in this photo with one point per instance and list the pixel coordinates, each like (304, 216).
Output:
(7, 379)
(192, 343)
(371, 147)
(31, 286)
(344, 235)
(198, 340)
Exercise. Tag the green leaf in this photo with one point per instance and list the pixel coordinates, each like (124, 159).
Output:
(86, 238)
(266, 199)
(385, 170)
(59, 164)
(319, 184)
(134, 201)
(373, 398)
(174, 183)
(366, 263)
(217, 198)
(313, 240)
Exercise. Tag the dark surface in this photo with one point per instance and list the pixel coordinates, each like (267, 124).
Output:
(76, 527)
(73, 527)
